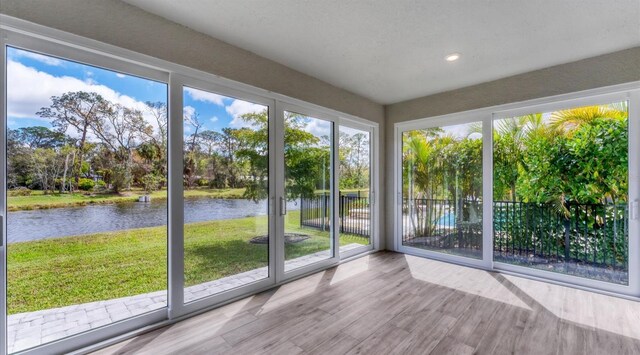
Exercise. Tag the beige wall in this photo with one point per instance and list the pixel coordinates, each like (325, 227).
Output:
(610, 69)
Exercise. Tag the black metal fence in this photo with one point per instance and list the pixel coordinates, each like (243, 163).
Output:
(443, 224)
(354, 213)
(594, 234)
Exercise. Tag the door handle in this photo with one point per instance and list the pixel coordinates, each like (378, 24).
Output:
(283, 206)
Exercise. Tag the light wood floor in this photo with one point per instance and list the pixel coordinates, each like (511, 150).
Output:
(393, 303)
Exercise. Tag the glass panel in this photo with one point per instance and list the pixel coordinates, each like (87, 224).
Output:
(307, 154)
(87, 207)
(355, 182)
(442, 189)
(226, 186)
(560, 191)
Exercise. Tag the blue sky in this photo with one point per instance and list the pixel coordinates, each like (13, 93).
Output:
(34, 78)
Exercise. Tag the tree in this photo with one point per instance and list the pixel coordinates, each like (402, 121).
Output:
(441, 172)
(41, 137)
(571, 119)
(155, 146)
(120, 129)
(578, 155)
(76, 111)
(509, 137)
(254, 152)
(306, 159)
(586, 164)
(191, 162)
(47, 168)
(19, 161)
(354, 160)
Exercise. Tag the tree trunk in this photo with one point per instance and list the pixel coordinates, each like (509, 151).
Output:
(64, 174)
(83, 140)
(73, 162)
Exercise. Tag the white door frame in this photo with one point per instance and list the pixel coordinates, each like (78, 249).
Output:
(373, 185)
(3, 197)
(179, 308)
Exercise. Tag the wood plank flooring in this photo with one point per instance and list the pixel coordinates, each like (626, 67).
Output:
(390, 303)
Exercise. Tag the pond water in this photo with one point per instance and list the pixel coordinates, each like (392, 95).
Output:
(62, 222)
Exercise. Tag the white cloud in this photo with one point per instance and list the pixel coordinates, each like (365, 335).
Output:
(239, 108)
(188, 111)
(351, 131)
(120, 75)
(205, 96)
(214, 119)
(458, 131)
(45, 59)
(28, 90)
(319, 128)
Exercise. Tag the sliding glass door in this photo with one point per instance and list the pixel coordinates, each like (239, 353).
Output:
(548, 190)
(226, 190)
(308, 202)
(356, 194)
(86, 185)
(561, 191)
(442, 189)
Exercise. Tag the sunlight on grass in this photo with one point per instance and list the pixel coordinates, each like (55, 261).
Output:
(64, 271)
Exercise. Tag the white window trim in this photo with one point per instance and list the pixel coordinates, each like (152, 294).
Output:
(622, 92)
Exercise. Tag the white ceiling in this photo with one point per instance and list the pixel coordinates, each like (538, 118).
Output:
(391, 51)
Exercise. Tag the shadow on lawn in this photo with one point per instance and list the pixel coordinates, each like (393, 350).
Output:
(224, 258)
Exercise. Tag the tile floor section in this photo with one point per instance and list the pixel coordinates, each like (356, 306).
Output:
(26, 330)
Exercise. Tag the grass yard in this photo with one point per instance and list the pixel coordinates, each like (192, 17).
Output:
(38, 200)
(65, 271)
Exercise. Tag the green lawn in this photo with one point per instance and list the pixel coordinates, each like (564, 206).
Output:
(65, 271)
(38, 200)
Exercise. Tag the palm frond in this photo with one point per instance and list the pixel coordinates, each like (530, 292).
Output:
(568, 120)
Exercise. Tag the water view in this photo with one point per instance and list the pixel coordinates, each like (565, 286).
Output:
(71, 221)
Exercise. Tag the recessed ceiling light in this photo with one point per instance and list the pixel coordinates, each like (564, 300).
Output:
(452, 57)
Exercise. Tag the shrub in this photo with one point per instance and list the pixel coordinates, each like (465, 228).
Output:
(100, 186)
(203, 182)
(151, 182)
(86, 184)
(218, 182)
(20, 191)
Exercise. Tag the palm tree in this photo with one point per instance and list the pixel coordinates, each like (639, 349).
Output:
(570, 119)
(424, 171)
(510, 136)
